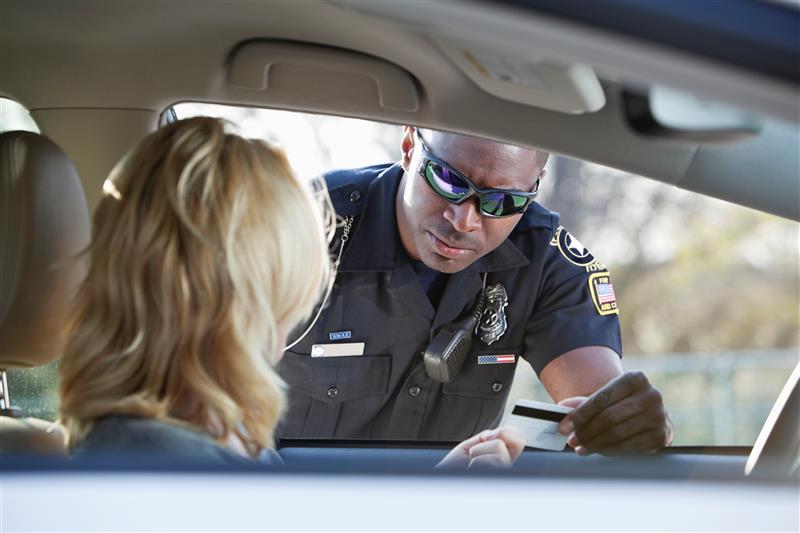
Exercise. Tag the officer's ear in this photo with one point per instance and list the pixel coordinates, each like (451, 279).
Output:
(543, 157)
(407, 146)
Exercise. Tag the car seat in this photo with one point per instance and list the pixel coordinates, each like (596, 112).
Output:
(44, 225)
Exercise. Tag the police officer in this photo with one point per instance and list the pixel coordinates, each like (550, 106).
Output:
(424, 239)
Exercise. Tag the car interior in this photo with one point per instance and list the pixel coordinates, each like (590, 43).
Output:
(704, 103)
(46, 221)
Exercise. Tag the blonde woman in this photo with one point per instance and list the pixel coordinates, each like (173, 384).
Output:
(207, 252)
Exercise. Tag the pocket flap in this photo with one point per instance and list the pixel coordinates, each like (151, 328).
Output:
(336, 379)
(489, 380)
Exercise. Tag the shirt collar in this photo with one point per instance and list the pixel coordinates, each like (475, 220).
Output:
(376, 247)
(375, 244)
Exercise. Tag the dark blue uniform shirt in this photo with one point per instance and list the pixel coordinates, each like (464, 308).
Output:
(559, 298)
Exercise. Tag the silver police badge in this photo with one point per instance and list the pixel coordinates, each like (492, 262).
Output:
(493, 323)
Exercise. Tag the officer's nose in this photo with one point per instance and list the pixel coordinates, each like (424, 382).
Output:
(464, 217)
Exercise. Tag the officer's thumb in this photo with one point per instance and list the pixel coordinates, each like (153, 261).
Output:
(573, 402)
(567, 426)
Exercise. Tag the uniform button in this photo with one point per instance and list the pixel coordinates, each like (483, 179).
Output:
(497, 386)
(333, 392)
(355, 197)
(336, 286)
(414, 391)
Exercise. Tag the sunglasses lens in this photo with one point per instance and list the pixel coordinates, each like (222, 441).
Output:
(499, 204)
(445, 182)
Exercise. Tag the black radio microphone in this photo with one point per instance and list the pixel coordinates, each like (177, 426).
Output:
(446, 354)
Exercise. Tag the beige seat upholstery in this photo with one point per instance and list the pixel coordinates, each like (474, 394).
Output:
(44, 225)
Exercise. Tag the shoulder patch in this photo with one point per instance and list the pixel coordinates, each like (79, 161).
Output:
(575, 252)
(602, 291)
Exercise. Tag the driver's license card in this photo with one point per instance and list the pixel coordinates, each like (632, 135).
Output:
(538, 422)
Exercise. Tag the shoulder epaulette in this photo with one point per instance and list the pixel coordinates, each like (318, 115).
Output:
(537, 216)
(348, 188)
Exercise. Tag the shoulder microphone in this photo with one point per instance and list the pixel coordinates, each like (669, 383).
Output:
(445, 356)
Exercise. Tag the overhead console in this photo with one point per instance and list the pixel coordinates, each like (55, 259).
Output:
(527, 79)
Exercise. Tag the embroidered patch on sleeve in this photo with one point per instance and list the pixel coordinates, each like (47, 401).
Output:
(602, 291)
(572, 249)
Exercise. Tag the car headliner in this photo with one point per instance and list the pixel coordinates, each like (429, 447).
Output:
(97, 75)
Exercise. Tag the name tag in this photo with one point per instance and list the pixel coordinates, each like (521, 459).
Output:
(538, 422)
(340, 349)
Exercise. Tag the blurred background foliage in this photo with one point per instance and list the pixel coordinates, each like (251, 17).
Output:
(692, 273)
(709, 295)
(709, 292)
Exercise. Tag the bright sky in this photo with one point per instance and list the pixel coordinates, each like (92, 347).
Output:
(316, 144)
(313, 143)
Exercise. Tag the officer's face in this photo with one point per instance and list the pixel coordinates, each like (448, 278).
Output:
(449, 237)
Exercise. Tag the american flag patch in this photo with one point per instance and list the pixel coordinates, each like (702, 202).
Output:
(603, 296)
(605, 293)
(495, 359)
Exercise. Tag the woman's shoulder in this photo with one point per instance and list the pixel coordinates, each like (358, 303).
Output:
(130, 437)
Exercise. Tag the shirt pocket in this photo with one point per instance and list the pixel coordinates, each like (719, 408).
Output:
(319, 387)
(484, 380)
(478, 392)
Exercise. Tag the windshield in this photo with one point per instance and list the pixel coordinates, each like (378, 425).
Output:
(707, 291)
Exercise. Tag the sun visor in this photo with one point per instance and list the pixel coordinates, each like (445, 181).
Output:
(671, 114)
(299, 74)
(528, 79)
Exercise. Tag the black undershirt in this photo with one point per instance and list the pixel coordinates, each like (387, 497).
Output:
(433, 282)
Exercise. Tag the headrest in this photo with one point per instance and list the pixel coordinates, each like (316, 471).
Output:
(44, 225)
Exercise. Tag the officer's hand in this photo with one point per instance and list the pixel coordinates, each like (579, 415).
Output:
(492, 448)
(627, 415)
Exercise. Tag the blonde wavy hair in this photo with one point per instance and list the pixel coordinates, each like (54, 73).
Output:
(207, 252)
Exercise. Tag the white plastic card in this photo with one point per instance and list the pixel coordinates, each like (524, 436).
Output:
(538, 422)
